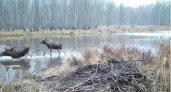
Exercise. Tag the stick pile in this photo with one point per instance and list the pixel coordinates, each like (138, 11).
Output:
(111, 76)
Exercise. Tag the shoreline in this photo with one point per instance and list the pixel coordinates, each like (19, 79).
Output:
(99, 30)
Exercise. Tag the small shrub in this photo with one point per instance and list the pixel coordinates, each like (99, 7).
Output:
(91, 55)
(148, 57)
(120, 51)
(73, 60)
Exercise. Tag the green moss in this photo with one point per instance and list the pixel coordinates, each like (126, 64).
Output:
(65, 32)
(104, 31)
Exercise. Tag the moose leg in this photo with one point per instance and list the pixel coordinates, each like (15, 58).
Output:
(50, 52)
(64, 52)
(58, 52)
(44, 52)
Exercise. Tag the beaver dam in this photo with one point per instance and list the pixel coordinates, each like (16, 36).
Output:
(114, 75)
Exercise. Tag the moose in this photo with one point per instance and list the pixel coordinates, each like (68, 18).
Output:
(16, 52)
(52, 45)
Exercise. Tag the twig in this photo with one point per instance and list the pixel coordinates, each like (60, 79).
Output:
(78, 85)
(32, 73)
(5, 85)
(119, 88)
(137, 83)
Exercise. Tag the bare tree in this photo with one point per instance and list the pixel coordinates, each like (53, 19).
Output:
(75, 14)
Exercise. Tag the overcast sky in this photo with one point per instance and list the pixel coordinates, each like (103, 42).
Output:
(135, 3)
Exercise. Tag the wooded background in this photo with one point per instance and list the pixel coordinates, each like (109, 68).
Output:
(79, 14)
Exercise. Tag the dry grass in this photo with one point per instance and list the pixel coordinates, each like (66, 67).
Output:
(27, 85)
(57, 71)
(127, 28)
(7, 88)
(163, 51)
(163, 64)
(70, 65)
(74, 60)
(91, 55)
(22, 85)
(148, 57)
(120, 51)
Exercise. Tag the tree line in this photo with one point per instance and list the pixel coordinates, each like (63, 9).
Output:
(79, 14)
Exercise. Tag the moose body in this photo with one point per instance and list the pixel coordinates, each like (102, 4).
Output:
(16, 52)
(52, 45)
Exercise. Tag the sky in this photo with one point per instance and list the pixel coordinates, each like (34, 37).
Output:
(135, 3)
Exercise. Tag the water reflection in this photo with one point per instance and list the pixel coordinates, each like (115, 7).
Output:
(22, 64)
(14, 68)
(57, 61)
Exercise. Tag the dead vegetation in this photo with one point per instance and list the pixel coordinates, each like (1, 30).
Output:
(91, 56)
(134, 28)
(73, 60)
(111, 76)
(120, 51)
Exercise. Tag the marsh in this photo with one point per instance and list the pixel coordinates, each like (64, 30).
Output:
(71, 45)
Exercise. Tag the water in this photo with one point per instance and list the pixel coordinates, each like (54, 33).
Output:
(35, 61)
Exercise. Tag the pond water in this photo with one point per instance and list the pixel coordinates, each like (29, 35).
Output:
(35, 61)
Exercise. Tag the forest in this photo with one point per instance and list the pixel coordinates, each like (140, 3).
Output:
(79, 14)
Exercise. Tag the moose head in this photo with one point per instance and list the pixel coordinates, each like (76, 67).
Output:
(43, 41)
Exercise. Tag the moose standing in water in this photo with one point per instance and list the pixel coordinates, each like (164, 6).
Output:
(16, 52)
(52, 45)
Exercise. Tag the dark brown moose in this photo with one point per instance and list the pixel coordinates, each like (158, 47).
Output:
(16, 52)
(52, 45)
